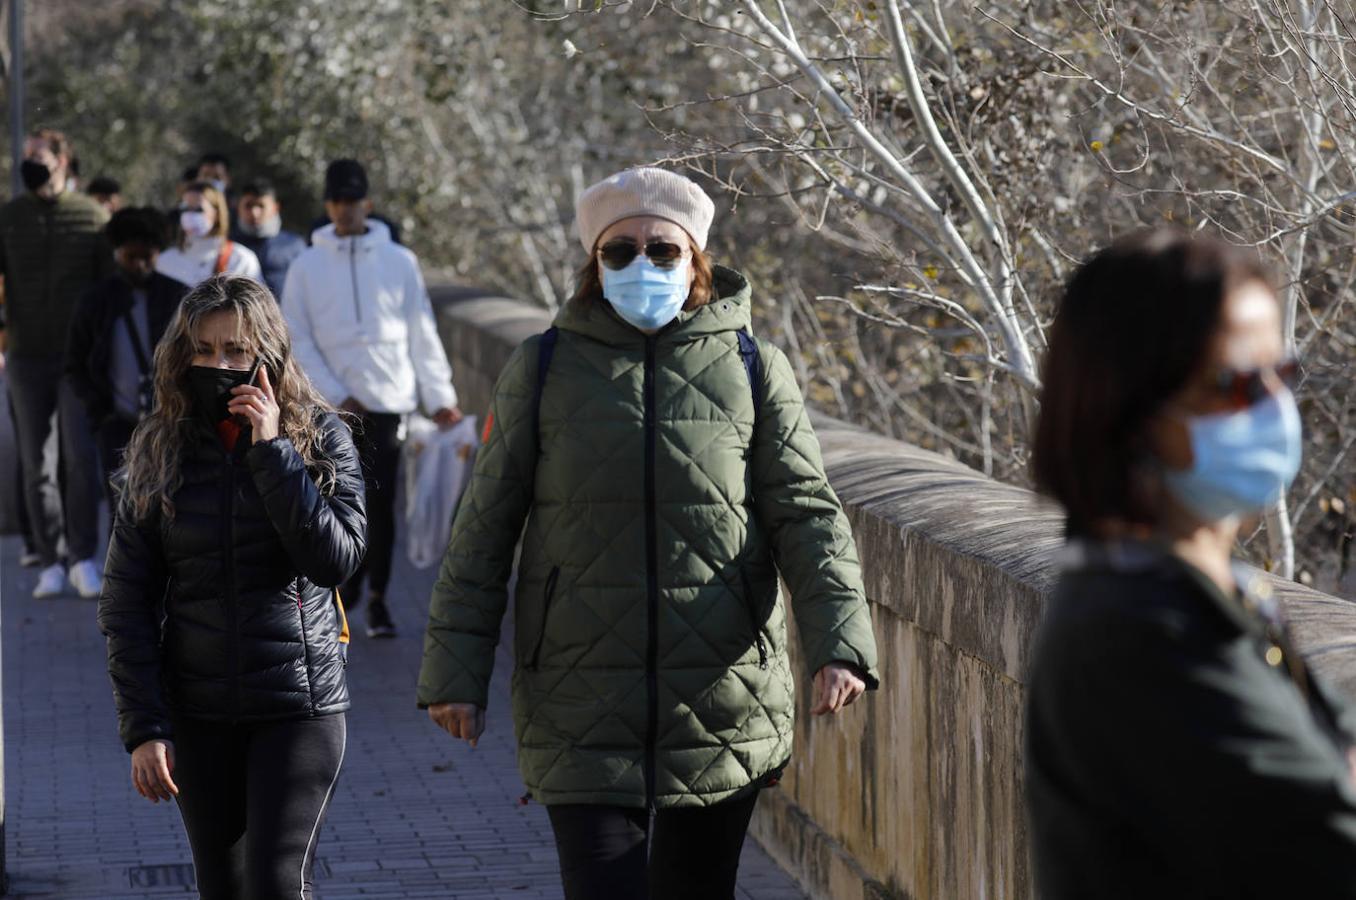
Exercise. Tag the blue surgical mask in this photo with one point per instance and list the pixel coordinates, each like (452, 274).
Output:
(645, 295)
(1242, 462)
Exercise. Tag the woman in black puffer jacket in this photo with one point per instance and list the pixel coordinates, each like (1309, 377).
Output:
(242, 509)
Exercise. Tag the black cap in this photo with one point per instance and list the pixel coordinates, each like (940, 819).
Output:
(345, 179)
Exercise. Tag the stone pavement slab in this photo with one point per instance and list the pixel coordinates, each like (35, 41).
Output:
(415, 814)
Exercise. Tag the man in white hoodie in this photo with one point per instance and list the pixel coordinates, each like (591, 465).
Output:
(363, 330)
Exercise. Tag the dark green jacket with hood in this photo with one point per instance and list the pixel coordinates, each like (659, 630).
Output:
(650, 637)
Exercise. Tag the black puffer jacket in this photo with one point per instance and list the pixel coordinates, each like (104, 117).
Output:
(248, 630)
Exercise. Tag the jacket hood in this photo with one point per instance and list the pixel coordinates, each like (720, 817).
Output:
(730, 310)
(377, 234)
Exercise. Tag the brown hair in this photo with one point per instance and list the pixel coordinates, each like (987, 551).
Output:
(218, 201)
(1132, 328)
(589, 281)
(56, 141)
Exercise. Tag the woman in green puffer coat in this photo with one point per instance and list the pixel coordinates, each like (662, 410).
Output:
(666, 479)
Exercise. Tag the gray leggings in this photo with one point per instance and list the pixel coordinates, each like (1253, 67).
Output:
(253, 798)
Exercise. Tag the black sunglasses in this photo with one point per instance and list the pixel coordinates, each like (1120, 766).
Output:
(1245, 388)
(619, 253)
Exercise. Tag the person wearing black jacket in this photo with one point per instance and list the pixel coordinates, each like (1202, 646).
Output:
(115, 330)
(242, 509)
(1177, 745)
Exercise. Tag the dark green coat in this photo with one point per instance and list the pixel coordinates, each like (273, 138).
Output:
(51, 252)
(1177, 747)
(650, 637)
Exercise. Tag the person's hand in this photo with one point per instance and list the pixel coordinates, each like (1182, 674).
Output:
(152, 767)
(352, 406)
(465, 721)
(446, 417)
(258, 406)
(836, 686)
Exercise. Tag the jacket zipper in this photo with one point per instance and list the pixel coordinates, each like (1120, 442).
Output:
(305, 647)
(545, 611)
(353, 276)
(232, 613)
(752, 609)
(651, 581)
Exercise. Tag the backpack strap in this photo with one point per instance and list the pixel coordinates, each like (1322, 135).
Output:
(748, 352)
(223, 258)
(546, 348)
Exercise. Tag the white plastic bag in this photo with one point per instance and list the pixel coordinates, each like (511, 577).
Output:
(437, 466)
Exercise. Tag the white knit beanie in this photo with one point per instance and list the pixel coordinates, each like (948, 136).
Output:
(644, 191)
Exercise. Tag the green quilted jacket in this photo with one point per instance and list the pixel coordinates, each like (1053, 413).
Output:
(650, 637)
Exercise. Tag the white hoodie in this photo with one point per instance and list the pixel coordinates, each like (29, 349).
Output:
(362, 324)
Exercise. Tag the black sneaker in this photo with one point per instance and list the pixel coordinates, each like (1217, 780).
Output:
(379, 624)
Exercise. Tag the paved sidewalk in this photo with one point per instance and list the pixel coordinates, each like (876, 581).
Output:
(414, 814)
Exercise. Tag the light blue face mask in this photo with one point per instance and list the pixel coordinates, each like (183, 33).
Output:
(645, 295)
(1242, 462)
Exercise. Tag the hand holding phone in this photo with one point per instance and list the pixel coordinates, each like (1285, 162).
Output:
(256, 404)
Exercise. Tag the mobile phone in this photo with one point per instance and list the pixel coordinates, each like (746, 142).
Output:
(254, 373)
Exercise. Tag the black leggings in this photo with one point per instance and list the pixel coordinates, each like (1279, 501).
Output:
(252, 798)
(378, 438)
(692, 851)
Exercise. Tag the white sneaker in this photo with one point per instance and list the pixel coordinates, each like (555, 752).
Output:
(51, 581)
(29, 560)
(85, 578)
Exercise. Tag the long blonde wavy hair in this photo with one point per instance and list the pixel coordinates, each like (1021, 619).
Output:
(152, 461)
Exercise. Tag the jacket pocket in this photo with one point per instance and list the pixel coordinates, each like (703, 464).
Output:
(755, 618)
(550, 593)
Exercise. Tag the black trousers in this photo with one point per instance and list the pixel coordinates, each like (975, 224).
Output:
(378, 438)
(252, 798)
(613, 853)
(63, 503)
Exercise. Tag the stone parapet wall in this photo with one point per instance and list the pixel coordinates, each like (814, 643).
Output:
(914, 792)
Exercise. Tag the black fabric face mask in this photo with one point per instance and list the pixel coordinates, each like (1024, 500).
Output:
(211, 390)
(34, 174)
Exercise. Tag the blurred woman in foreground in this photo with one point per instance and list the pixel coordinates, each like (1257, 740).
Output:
(1176, 743)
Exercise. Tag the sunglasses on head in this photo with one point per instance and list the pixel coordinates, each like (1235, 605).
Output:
(1244, 388)
(619, 253)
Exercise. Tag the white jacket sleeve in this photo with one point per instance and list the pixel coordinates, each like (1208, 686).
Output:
(296, 310)
(432, 372)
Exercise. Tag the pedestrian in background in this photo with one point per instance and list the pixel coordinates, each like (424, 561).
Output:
(243, 508)
(186, 178)
(106, 192)
(52, 249)
(668, 475)
(1176, 743)
(116, 329)
(203, 249)
(364, 332)
(215, 169)
(259, 228)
